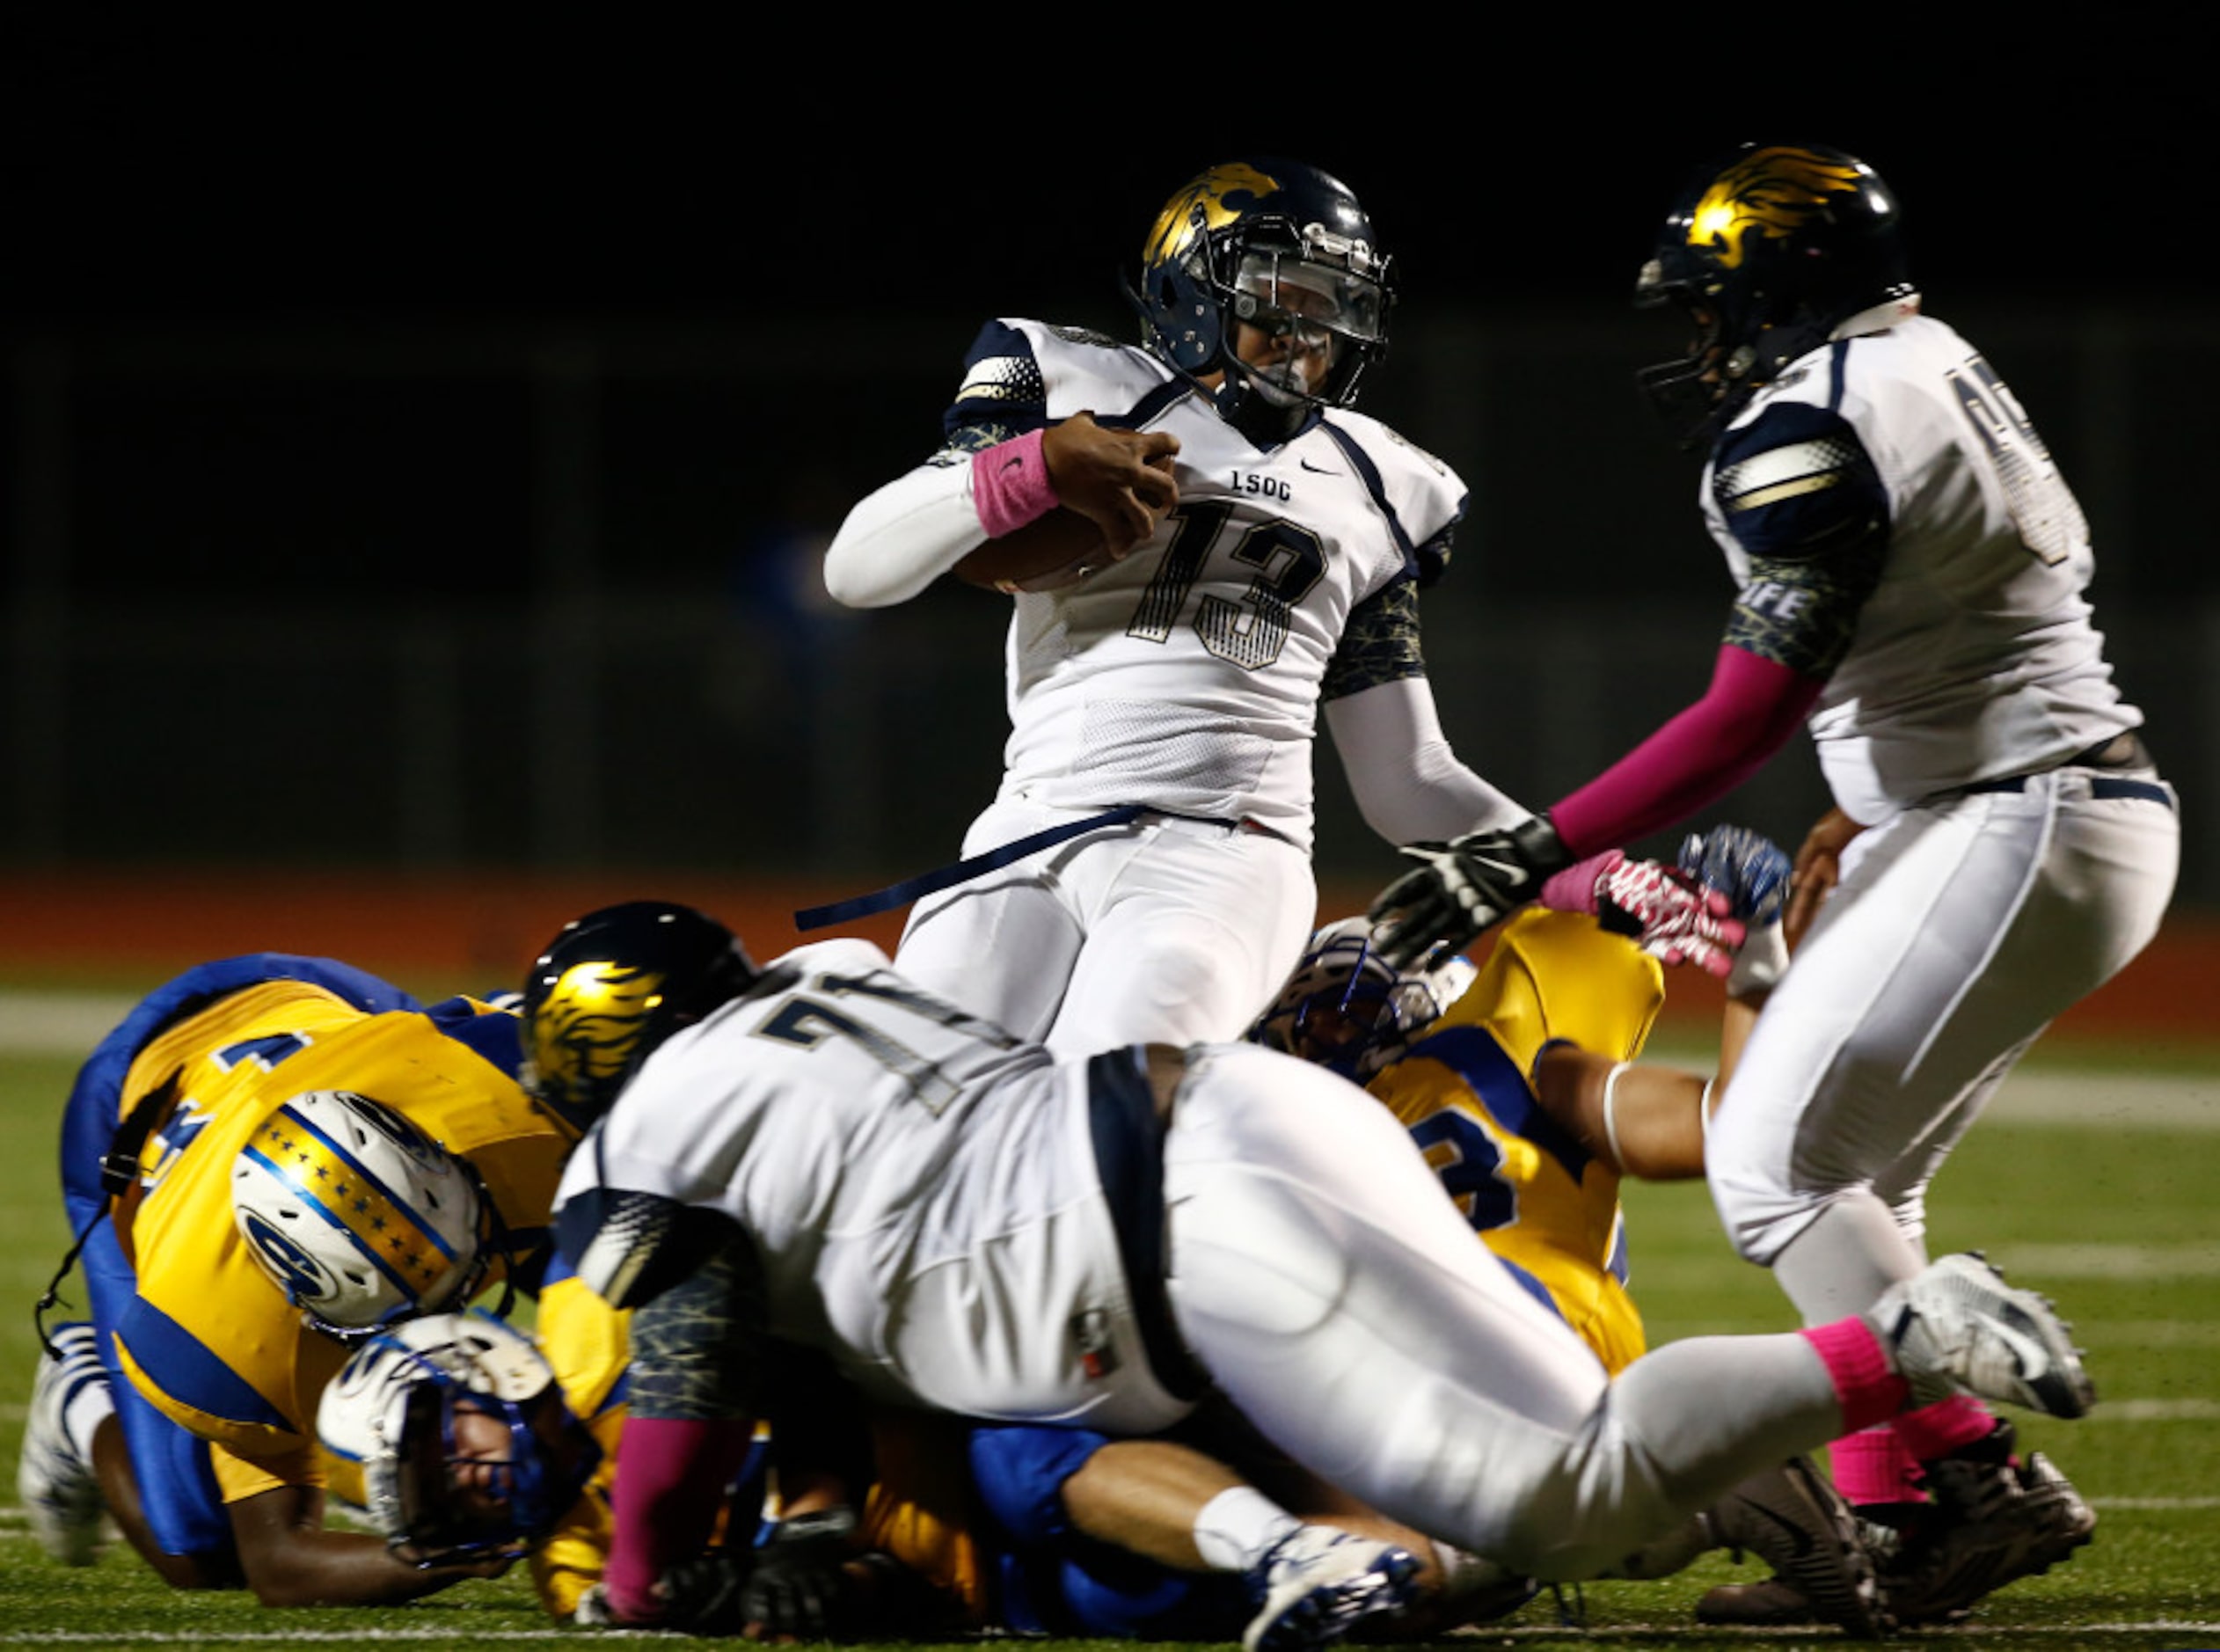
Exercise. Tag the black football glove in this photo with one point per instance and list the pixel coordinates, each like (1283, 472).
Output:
(1462, 887)
(795, 1589)
(703, 1596)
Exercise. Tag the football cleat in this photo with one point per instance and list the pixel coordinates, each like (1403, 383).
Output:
(1793, 1519)
(1775, 1603)
(1957, 1327)
(1993, 1520)
(60, 1495)
(1316, 1584)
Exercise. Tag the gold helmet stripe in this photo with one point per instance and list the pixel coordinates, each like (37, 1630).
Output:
(1201, 206)
(1768, 193)
(332, 1184)
(592, 1021)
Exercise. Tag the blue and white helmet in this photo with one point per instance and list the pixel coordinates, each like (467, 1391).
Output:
(356, 1215)
(385, 1431)
(1346, 1009)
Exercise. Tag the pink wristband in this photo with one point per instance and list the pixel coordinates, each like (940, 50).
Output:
(1573, 889)
(1010, 485)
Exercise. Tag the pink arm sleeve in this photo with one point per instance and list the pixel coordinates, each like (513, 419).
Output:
(671, 1476)
(1749, 712)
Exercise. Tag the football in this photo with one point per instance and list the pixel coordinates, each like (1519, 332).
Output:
(1045, 553)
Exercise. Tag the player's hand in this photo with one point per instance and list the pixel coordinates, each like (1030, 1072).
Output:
(1462, 887)
(1818, 869)
(703, 1596)
(1120, 481)
(593, 1611)
(795, 1588)
(1751, 871)
(1668, 915)
(1746, 866)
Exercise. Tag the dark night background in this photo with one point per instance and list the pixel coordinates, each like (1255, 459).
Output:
(449, 419)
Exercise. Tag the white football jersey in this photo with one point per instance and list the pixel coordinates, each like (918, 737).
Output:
(1976, 656)
(1187, 677)
(921, 1188)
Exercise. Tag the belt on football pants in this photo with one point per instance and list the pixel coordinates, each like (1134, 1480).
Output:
(2120, 751)
(994, 859)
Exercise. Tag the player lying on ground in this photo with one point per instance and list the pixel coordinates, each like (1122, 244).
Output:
(463, 1440)
(961, 1221)
(269, 1156)
(1036, 1530)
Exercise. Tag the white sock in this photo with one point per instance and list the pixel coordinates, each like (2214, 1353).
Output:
(87, 1408)
(1236, 1529)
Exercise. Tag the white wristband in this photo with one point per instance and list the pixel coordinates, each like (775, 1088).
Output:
(1760, 964)
(1610, 1109)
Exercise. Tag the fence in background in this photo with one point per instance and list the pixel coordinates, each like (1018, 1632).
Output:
(543, 597)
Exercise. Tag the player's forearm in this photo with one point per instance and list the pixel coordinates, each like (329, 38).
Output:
(900, 539)
(1751, 709)
(1407, 782)
(289, 1563)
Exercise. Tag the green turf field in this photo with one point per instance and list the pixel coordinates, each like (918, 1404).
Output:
(2094, 1183)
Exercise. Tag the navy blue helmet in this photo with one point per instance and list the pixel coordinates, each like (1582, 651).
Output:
(1766, 252)
(611, 988)
(1279, 245)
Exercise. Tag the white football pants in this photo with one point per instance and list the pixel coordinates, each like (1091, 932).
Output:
(1165, 931)
(1958, 932)
(1320, 1274)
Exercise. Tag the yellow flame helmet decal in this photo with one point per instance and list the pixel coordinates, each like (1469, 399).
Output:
(588, 1030)
(1769, 194)
(1211, 201)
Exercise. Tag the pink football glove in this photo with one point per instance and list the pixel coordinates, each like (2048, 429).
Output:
(1664, 911)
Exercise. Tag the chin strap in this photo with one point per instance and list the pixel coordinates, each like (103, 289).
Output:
(118, 1168)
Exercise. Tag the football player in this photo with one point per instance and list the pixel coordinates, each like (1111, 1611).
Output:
(270, 1156)
(459, 1438)
(1145, 872)
(960, 1220)
(1910, 573)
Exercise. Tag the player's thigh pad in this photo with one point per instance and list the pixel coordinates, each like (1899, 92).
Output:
(1957, 933)
(1191, 931)
(1002, 945)
(1324, 1278)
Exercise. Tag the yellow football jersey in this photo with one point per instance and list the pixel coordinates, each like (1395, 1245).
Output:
(209, 1340)
(1533, 1192)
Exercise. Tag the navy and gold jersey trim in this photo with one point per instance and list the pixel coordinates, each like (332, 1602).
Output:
(1804, 499)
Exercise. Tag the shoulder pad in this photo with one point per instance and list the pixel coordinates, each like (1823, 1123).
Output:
(1795, 482)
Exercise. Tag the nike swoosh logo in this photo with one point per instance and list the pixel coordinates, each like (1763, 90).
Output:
(1317, 470)
(2028, 1355)
(1012, 465)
